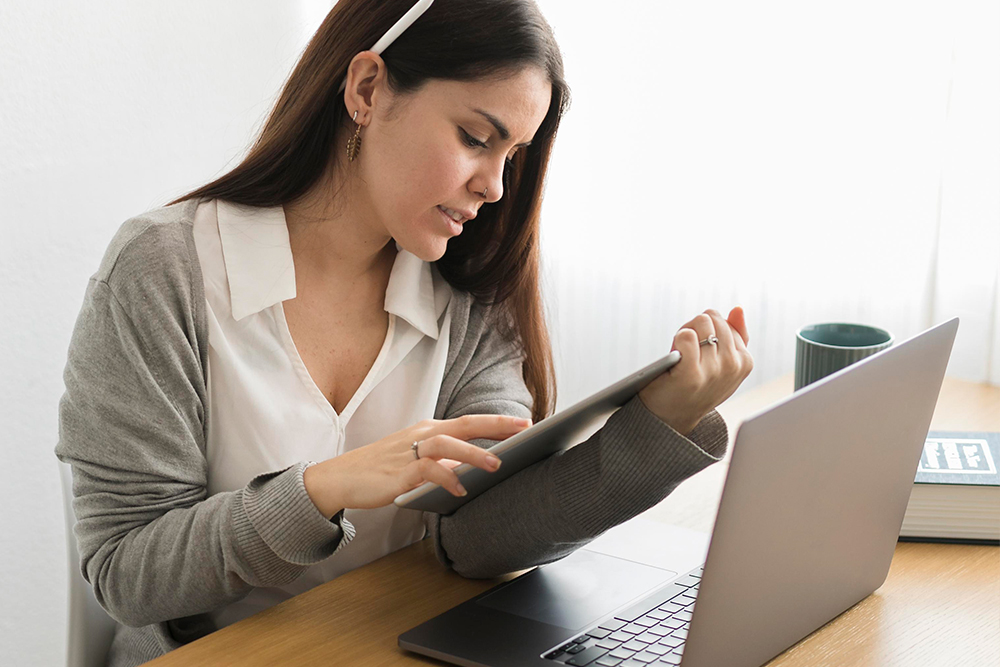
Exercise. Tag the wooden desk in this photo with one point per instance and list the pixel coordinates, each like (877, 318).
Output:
(939, 606)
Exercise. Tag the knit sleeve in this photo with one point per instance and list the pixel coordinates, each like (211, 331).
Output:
(550, 509)
(153, 544)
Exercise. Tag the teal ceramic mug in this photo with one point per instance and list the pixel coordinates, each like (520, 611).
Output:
(822, 349)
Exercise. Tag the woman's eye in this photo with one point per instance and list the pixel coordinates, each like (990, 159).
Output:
(472, 141)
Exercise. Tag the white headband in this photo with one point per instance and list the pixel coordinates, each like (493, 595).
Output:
(395, 31)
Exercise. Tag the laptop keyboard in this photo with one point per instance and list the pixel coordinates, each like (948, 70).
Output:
(649, 633)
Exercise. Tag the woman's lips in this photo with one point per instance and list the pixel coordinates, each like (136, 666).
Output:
(454, 227)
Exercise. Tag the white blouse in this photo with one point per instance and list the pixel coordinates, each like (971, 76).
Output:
(265, 413)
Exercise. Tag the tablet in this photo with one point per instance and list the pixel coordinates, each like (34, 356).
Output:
(560, 431)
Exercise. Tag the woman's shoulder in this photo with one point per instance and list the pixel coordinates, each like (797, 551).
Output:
(152, 258)
(466, 311)
(475, 326)
(158, 237)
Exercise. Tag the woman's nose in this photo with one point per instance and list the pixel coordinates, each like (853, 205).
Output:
(493, 182)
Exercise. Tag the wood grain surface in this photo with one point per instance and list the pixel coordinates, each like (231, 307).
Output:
(940, 604)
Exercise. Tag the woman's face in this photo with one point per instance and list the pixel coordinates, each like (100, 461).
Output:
(428, 154)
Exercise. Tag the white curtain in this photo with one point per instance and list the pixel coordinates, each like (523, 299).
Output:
(966, 274)
(836, 162)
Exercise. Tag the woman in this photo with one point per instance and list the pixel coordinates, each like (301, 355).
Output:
(262, 366)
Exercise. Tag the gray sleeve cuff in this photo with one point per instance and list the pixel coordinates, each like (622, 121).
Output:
(280, 529)
(710, 435)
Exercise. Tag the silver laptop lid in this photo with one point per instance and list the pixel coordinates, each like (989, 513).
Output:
(813, 503)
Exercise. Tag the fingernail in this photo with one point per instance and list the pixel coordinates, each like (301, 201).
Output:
(462, 491)
(523, 422)
(493, 461)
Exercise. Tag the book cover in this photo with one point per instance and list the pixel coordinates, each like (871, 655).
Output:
(960, 457)
(965, 461)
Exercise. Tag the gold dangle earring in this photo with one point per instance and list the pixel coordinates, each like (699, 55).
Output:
(354, 143)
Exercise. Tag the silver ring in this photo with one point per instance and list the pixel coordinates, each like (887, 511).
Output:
(711, 340)
(416, 452)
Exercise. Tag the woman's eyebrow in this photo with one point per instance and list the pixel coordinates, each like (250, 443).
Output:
(501, 128)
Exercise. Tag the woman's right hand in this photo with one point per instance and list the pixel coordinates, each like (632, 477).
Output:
(706, 376)
(372, 476)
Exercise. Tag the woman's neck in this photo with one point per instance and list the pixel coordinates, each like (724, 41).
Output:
(338, 241)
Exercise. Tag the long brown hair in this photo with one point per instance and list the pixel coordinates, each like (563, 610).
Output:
(497, 258)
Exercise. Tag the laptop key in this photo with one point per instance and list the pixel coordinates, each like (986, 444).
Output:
(680, 634)
(642, 606)
(586, 656)
(648, 638)
(576, 649)
(645, 621)
(671, 607)
(645, 657)
(633, 645)
(671, 659)
(684, 616)
(612, 624)
(658, 649)
(599, 633)
(687, 593)
(607, 661)
(621, 636)
(670, 642)
(688, 580)
(608, 643)
(658, 613)
(634, 629)
(660, 631)
(621, 653)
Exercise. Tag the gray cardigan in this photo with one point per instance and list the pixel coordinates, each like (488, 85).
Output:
(160, 552)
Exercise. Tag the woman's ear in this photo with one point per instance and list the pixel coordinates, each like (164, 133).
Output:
(365, 79)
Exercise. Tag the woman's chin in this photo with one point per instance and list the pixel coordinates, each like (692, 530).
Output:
(431, 250)
(438, 252)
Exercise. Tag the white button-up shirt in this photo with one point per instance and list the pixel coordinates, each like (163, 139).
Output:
(265, 413)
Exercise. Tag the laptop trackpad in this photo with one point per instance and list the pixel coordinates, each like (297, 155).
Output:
(577, 590)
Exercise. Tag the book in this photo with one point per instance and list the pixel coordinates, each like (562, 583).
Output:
(956, 493)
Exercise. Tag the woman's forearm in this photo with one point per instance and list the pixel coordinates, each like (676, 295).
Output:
(149, 566)
(552, 508)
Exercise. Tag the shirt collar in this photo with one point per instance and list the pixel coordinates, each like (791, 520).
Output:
(261, 273)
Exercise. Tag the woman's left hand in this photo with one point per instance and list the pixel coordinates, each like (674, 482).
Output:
(706, 375)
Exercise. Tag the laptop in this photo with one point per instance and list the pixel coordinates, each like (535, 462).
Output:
(806, 528)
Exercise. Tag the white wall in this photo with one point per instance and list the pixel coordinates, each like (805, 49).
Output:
(107, 109)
